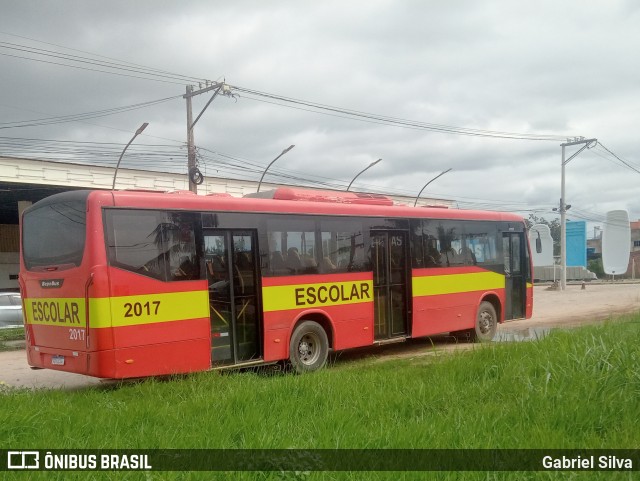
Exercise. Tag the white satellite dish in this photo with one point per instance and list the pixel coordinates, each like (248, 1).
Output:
(616, 241)
(540, 239)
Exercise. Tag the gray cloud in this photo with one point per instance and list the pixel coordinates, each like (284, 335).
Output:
(555, 68)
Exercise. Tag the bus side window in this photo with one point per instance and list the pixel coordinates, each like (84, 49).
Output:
(132, 243)
(291, 246)
(481, 249)
(342, 246)
(180, 247)
(153, 243)
(417, 248)
(432, 251)
(277, 266)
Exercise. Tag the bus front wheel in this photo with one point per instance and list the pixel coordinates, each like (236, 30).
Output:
(486, 323)
(309, 347)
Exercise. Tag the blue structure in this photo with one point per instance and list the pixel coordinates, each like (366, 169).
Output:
(577, 243)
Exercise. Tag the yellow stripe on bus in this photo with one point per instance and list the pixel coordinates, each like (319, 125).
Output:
(118, 311)
(301, 296)
(453, 283)
(147, 309)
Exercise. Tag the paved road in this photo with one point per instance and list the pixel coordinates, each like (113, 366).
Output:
(552, 309)
(15, 371)
(576, 306)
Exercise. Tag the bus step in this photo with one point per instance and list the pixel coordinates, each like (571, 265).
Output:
(240, 365)
(393, 340)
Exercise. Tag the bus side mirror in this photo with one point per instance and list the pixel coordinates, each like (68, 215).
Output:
(539, 244)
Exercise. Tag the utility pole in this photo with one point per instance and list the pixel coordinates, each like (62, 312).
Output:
(564, 207)
(194, 175)
(191, 148)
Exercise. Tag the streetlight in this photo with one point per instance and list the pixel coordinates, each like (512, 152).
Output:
(271, 163)
(358, 174)
(425, 185)
(138, 132)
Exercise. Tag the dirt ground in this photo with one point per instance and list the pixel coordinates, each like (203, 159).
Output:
(576, 306)
(552, 309)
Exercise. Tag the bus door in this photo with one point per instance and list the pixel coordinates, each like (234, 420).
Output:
(513, 246)
(389, 260)
(231, 268)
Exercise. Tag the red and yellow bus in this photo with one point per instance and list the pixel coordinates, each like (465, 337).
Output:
(122, 284)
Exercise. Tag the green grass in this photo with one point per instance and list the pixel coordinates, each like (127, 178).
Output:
(573, 389)
(11, 334)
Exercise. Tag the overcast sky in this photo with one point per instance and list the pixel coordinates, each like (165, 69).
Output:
(553, 68)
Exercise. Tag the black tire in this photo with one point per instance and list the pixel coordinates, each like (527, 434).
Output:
(309, 347)
(486, 323)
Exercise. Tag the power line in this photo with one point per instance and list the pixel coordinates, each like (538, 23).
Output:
(116, 67)
(624, 162)
(124, 62)
(162, 75)
(89, 69)
(405, 123)
(92, 153)
(127, 67)
(152, 156)
(181, 142)
(83, 116)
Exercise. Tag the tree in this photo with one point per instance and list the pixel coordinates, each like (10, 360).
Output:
(554, 227)
(595, 266)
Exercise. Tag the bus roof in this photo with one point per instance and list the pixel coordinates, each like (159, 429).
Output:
(291, 201)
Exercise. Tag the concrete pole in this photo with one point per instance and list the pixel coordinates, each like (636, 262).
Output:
(563, 230)
(191, 149)
(588, 143)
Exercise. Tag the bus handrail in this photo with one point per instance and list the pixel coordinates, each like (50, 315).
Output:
(87, 308)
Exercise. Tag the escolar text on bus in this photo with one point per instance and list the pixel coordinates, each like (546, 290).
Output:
(312, 295)
(62, 312)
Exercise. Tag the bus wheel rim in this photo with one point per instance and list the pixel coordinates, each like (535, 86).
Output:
(309, 348)
(486, 322)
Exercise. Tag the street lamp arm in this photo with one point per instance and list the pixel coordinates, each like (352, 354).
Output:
(425, 185)
(363, 170)
(272, 162)
(138, 132)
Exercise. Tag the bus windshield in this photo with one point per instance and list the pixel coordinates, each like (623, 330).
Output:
(53, 231)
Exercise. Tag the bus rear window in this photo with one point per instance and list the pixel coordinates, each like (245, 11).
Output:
(53, 233)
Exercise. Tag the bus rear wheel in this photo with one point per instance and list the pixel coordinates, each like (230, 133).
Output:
(486, 323)
(309, 347)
